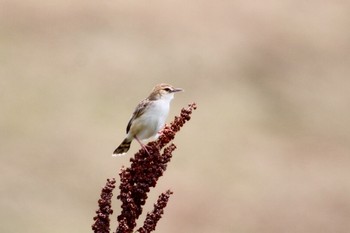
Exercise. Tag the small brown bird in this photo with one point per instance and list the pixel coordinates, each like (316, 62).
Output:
(149, 117)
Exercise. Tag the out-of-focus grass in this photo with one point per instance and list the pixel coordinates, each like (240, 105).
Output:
(267, 150)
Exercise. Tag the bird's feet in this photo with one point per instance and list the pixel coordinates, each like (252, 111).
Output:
(142, 145)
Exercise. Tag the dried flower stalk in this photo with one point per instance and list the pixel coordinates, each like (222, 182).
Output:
(153, 217)
(135, 181)
(101, 224)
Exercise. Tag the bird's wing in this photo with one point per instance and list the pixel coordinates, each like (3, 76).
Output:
(139, 110)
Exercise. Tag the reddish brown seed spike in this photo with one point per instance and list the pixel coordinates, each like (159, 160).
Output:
(144, 172)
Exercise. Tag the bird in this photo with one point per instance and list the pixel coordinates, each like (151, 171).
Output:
(148, 117)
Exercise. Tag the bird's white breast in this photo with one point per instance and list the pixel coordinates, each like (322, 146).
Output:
(153, 119)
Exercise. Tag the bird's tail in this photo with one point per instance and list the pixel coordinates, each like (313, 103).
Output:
(122, 148)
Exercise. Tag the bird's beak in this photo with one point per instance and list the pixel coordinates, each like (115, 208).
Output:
(177, 90)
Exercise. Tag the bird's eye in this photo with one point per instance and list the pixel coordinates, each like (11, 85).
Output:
(167, 89)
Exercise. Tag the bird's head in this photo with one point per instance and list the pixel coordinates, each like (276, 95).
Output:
(163, 91)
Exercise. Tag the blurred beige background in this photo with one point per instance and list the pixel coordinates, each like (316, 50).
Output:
(268, 149)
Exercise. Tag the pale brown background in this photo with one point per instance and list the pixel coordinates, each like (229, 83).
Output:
(267, 151)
